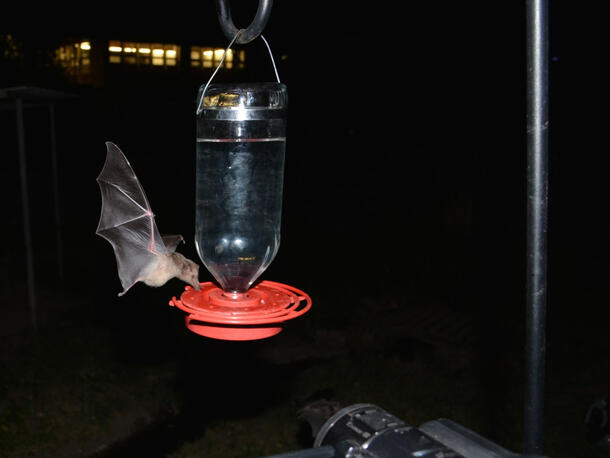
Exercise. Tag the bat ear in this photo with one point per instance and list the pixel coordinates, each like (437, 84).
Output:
(172, 241)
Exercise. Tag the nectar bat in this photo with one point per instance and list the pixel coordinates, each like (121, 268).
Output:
(128, 223)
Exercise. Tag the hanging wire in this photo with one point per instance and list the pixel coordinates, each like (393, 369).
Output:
(277, 76)
(217, 68)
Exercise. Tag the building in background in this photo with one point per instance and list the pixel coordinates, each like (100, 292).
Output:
(91, 62)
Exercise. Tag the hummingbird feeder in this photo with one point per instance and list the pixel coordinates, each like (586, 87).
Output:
(241, 143)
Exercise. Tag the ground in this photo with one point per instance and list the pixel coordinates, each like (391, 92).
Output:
(104, 390)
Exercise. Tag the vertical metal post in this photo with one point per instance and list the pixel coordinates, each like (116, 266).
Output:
(60, 262)
(26, 212)
(537, 207)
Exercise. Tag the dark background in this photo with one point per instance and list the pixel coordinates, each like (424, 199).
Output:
(405, 166)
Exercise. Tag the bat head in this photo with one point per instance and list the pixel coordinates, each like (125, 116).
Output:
(188, 271)
(193, 274)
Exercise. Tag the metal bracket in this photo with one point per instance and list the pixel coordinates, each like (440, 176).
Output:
(254, 29)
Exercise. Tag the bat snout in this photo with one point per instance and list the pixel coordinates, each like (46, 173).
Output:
(193, 275)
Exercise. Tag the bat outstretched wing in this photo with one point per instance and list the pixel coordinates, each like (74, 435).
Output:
(127, 220)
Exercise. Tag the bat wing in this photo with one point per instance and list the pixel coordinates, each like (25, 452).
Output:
(127, 220)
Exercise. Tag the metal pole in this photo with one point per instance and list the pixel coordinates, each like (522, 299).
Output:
(60, 262)
(537, 206)
(26, 212)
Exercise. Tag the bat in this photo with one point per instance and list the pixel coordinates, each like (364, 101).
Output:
(128, 223)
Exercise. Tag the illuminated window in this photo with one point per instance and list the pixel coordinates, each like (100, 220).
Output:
(75, 59)
(73, 55)
(153, 54)
(207, 57)
(115, 51)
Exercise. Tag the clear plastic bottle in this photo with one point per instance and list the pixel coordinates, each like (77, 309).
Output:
(241, 142)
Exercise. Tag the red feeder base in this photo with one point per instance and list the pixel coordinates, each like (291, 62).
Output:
(256, 314)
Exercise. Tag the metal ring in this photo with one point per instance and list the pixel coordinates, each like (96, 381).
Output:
(254, 29)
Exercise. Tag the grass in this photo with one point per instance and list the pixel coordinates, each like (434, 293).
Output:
(86, 383)
(64, 393)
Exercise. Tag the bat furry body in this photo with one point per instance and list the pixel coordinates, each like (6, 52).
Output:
(169, 266)
(128, 223)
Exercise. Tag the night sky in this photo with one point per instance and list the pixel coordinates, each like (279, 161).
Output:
(405, 163)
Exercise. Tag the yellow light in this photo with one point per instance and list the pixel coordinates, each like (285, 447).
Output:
(144, 50)
(207, 55)
(218, 53)
(157, 52)
(126, 49)
(85, 45)
(170, 53)
(115, 48)
(229, 57)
